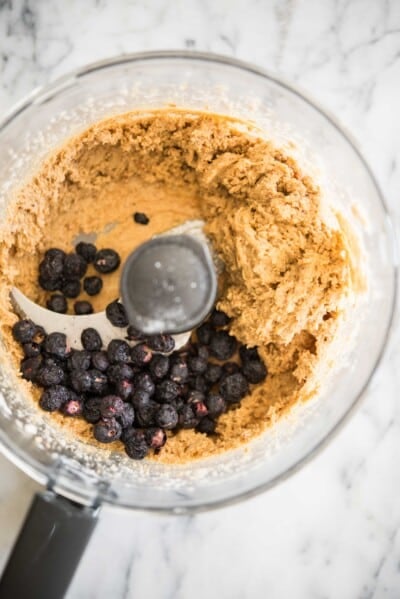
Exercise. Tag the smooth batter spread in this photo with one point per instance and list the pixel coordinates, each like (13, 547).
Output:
(287, 271)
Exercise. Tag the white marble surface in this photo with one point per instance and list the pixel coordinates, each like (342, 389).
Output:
(332, 530)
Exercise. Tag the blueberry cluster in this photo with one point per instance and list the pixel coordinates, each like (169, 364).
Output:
(63, 272)
(135, 393)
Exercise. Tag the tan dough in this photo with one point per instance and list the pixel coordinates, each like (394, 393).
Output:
(286, 269)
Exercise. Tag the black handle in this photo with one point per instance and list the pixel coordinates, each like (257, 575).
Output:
(48, 548)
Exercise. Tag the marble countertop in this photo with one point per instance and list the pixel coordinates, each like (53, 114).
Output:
(331, 530)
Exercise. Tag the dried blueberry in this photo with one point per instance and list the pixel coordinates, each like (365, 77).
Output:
(127, 433)
(206, 425)
(31, 349)
(50, 284)
(219, 318)
(216, 404)
(51, 268)
(144, 382)
(187, 417)
(30, 367)
(51, 360)
(179, 371)
(141, 218)
(202, 352)
(222, 345)
(167, 416)
(204, 333)
(234, 387)
(133, 334)
(200, 409)
(91, 410)
(107, 431)
(71, 288)
(230, 368)
(141, 354)
(53, 398)
(74, 266)
(82, 307)
(248, 353)
(213, 373)
(106, 261)
(124, 389)
(178, 402)
(145, 412)
(195, 396)
(167, 390)
(86, 250)
(255, 371)
(159, 366)
(24, 331)
(161, 343)
(91, 339)
(156, 437)
(81, 380)
(54, 253)
(100, 360)
(196, 400)
(111, 406)
(92, 285)
(136, 445)
(140, 397)
(73, 406)
(79, 360)
(118, 351)
(56, 345)
(199, 383)
(120, 372)
(57, 303)
(116, 314)
(127, 416)
(99, 382)
(197, 365)
(49, 374)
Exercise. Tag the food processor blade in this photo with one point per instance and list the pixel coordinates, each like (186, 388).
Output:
(188, 237)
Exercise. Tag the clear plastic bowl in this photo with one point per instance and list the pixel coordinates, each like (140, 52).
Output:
(206, 82)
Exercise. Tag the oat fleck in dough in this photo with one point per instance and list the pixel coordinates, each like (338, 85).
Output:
(287, 271)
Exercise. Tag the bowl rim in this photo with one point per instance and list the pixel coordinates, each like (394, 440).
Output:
(38, 471)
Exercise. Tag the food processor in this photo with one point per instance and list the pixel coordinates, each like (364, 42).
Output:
(79, 478)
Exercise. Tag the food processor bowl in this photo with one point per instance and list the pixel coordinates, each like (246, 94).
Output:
(206, 82)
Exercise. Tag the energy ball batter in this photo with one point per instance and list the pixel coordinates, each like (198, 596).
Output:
(287, 271)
